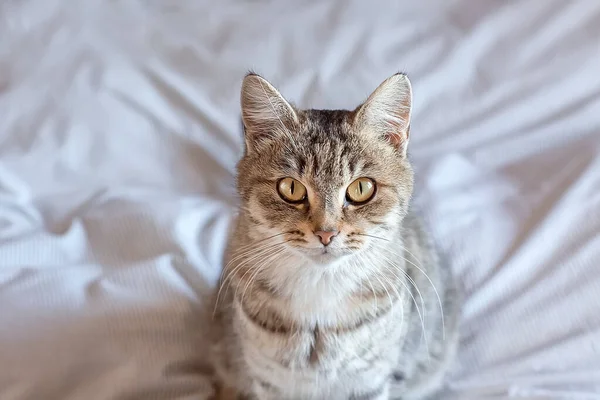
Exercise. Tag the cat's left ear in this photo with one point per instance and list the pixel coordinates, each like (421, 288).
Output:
(386, 113)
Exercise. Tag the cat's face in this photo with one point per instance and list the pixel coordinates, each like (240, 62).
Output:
(327, 183)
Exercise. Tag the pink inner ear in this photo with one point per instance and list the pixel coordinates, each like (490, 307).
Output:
(399, 139)
(396, 140)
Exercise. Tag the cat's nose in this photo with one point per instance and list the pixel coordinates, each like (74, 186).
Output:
(326, 236)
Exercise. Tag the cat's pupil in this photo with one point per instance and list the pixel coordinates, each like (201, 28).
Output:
(360, 190)
(292, 188)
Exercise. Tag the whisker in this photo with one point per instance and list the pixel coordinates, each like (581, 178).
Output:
(386, 291)
(373, 236)
(419, 269)
(227, 274)
(268, 256)
(258, 269)
(256, 242)
(410, 279)
(374, 295)
(251, 255)
(430, 282)
(420, 314)
(252, 251)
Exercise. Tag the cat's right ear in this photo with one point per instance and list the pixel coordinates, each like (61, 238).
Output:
(265, 113)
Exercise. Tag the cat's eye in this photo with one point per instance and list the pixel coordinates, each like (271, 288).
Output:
(360, 191)
(291, 190)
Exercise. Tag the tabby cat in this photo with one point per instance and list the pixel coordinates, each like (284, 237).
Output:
(332, 289)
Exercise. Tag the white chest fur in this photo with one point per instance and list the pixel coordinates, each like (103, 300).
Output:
(315, 362)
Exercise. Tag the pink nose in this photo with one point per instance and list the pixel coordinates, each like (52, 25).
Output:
(326, 236)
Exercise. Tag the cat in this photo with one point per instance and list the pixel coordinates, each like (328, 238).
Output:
(332, 289)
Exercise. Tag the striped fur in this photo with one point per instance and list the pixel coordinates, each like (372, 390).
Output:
(361, 320)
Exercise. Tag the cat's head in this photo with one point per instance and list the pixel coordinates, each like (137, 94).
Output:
(328, 183)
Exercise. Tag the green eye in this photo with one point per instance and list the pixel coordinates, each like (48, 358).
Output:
(361, 190)
(291, 190)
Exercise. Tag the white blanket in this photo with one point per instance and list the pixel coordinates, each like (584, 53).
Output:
(119, 134)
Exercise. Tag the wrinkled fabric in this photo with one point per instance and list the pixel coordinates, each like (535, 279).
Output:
(119, 134)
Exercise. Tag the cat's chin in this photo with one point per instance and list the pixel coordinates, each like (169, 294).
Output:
(325, 255)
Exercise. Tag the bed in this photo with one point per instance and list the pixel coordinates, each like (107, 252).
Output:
(119, 134)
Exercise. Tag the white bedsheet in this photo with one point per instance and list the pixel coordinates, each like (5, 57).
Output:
(119, 133)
